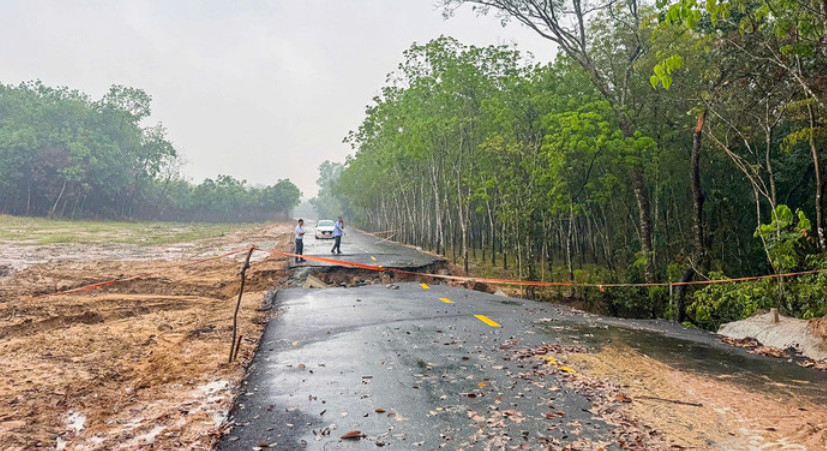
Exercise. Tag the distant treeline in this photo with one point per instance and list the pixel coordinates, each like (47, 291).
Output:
(63, 154)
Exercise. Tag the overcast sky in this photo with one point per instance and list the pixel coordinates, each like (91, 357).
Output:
(260, 90)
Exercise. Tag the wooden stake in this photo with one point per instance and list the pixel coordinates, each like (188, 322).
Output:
(237, 347)
(243, 274)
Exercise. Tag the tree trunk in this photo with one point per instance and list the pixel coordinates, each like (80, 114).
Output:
(819, 183)
(644, 223)
(569, 238)
(59, 196)
(698, 199)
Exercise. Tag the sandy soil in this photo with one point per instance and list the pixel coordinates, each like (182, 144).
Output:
(818, 327)
(136, 364)
(696, 412)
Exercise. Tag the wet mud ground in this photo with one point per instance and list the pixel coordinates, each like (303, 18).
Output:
(137, 365)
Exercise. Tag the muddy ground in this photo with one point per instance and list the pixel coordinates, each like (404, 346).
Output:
(137, 364)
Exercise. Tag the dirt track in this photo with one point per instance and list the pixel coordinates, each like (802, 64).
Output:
(132, 364)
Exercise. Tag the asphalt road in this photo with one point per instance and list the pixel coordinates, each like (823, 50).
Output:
(359, 247)
(335, 356)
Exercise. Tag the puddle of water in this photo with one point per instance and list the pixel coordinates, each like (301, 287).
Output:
(765, 373)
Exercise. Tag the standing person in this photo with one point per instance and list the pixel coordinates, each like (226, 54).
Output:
(338, 230)
(300, 240)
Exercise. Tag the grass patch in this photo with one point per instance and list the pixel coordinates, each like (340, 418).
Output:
(41, 231)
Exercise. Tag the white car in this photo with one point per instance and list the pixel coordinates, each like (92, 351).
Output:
(324, 228)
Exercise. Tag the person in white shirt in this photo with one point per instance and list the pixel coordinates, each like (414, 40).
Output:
(300, 240)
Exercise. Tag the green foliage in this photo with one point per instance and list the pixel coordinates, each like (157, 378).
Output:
(663, 71)
(720, 303)
(790, 249)
(552, 168)
(787, 239)
(801, 296)
(63, 154)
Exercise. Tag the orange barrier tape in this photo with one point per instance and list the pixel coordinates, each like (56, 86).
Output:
(95, 286)
(601, 286)
(332, 261)
(383, 231)
(387, 238)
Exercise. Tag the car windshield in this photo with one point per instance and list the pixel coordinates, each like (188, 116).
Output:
(325, 223)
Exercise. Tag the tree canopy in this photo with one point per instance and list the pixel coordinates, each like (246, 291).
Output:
(670, 142)
(64, 154)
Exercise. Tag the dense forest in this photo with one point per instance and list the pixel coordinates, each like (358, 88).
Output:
(666, 143)
(63, 154)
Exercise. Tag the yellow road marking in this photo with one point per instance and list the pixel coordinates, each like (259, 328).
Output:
(373, 258)
(446, 300)
(488, 321)
(424, 286)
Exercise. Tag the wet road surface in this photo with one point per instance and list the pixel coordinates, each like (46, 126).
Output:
(434, 368)
(359, 247)
(424, 367)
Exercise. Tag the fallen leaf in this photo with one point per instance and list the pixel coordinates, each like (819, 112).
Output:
(549, 359)
(380, 410)
(353, 435)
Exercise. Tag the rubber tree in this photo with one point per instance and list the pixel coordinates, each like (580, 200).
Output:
(567, 25)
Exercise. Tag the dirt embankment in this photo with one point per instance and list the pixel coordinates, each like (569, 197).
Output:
(693, 411)
(131, 365)
(818, 327)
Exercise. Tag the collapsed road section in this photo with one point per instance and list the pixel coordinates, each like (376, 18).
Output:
(364, 249)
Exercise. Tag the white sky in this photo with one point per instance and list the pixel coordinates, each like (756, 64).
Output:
(260, 90)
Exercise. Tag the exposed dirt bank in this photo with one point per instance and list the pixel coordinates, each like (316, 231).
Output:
(701, 412)
(136, 364)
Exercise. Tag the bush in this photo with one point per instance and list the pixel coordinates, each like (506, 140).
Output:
(789, 248)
